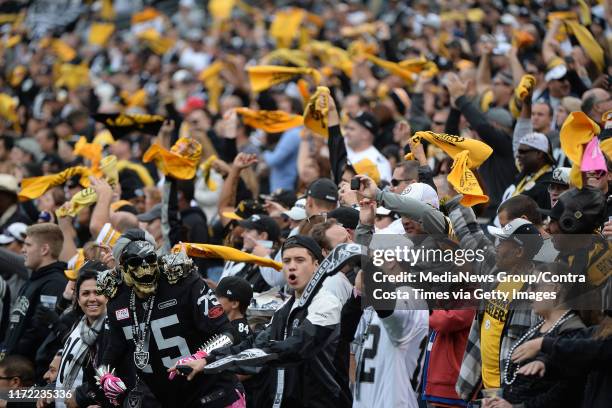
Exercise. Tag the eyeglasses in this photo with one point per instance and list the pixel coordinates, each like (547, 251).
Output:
(526, 151)
(396, 182)
(136, 261)
(595, 174)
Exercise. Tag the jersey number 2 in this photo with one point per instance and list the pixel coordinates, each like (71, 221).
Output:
(369, 353)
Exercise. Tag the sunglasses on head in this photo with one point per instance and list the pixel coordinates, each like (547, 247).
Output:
(136, 261)
(317, 218)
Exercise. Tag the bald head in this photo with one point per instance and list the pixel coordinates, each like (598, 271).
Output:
(595, 102)
(123, 220)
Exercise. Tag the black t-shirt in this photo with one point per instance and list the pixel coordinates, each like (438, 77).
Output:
(184, 317)
(241, 330)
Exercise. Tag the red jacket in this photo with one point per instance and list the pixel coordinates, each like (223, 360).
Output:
(450, 329)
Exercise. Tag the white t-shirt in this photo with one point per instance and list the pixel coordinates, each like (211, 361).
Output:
(339, 286)
(324, 309)
(372, 153)
(389, 357)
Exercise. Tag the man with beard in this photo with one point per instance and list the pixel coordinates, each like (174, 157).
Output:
(160, 312)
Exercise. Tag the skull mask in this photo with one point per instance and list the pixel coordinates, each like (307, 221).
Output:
(176, 266)
(139, 267)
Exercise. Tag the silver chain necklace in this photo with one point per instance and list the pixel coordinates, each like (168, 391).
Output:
(528, 336)
(141, 357)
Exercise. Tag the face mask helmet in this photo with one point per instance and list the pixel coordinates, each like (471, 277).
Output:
(177, 266)
(139, 267)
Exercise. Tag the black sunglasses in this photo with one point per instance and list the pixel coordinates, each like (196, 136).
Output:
(526, 151)
(136, 261)
(396, 182)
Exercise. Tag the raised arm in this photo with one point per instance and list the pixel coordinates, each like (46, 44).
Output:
(549, 44)
(101, 211)
(227, 201)
(483, 72)
(523, 125)
(335, 142)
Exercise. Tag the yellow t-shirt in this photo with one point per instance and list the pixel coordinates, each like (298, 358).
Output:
(491, 329)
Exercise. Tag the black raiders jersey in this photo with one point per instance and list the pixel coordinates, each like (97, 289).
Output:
(184, 316)
(241, 330)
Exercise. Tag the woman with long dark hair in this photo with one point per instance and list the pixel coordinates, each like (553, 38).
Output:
(82, 346)
(558, 321)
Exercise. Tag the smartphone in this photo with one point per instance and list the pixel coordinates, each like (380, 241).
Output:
(184, 369)
(355, 183)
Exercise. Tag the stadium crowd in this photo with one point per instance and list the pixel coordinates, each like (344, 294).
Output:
(191, 191)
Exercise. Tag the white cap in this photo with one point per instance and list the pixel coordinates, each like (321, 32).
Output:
(298, 211)
(187, 3)
(561, 175)
(15, 231)
(382, 211)
(432, 20)
(423, 193)
(182, 75)
(8, 183)
(509, 19)
(536, 140)
(557, 72)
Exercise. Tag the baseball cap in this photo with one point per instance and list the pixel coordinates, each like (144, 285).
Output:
(500, 116)
(580, 211)
(538, 141)
(8, 183)
(151, 215)
(347, 216)
(422, 192)
(368, 121)
(261, 223)
(235, 288)
(14, 232)
(245, 209)
(192, 103)
(304, 241)
(560, 175)
(522, 232)
(556, 72)
(284, 197)
(30, 145)
(298, 211)
(323, 189)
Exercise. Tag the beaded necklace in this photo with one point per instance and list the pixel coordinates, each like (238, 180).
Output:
(528, 336)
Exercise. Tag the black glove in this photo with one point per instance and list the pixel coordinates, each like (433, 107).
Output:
(43, 316)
